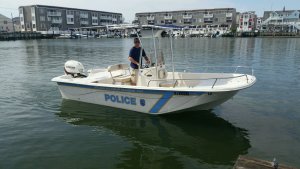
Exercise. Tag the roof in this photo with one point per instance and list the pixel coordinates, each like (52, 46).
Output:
(2, 16)
(59, 7)
(282, 11)
(193, 10)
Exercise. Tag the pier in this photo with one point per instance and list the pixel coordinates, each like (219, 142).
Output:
(7, 36)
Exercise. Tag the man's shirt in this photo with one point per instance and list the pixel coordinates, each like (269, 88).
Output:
(135, 54)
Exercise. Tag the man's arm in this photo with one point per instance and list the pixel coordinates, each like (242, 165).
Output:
(132, 60)
(146, 57)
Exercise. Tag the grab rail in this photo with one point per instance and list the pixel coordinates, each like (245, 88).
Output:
(235, 68)
(216, 79)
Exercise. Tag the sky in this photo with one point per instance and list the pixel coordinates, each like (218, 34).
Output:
(129, 7)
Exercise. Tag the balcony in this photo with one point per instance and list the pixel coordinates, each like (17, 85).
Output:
(106, 17)
(187, 21)
(70, 16)
(84, 16)
(150, 18)
(57, 21)
(94, 23)
(168, 17)
(53, 13)
(208, 15)
(168, 22)
(114, 19)
(84, 22)
(151, 22)
(187, 16)
(228, 15)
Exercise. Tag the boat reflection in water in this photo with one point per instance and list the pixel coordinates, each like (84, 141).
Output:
(169, 141)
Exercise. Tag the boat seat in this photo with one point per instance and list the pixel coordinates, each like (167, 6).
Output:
(117, 67)
(167, 84)
(120, 78)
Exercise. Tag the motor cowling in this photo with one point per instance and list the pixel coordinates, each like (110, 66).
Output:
(74, 68)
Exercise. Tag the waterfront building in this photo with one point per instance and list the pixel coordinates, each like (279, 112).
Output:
(247, 22)
(5, 24)
(220, 18)
(38, 18)
(259, 21)
(281, 21)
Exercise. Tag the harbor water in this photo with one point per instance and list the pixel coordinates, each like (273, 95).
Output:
(40, 130)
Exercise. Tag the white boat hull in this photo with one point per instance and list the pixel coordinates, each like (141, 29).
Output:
(144, 100)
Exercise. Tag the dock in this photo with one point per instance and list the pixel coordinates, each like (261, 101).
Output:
(244, 162)
(7, 36)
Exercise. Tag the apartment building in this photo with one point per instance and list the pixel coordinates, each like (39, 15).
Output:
(5, 24)
(281, 21)
(38, 18)
(202, 18)
(247, 22)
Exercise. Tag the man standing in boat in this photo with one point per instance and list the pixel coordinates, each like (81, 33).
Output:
(134, 58)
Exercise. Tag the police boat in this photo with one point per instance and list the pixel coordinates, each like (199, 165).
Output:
(157, 91)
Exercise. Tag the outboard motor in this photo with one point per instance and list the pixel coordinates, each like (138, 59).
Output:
(74, 68)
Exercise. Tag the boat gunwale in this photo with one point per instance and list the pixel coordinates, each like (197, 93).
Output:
(144, 89)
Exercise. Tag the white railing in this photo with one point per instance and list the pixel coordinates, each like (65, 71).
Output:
(213, 80)
(70, 16)
(208, 15)
(106, 17)
(187, 16)
(84, 16)
(246, 71)
(169, 17)
(56, 21)
(54, 13)
(84, 22)
(150, 18)
(228, 15)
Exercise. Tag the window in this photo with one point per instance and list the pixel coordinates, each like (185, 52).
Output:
(70, 12)
(33, 18)
(162, 22)
(21, 11)
(5, 22)
(70, 20)
(42, 18)
(174, 21)
(41, 10)
(95, 15)
(22, 19)
(23, 27)
(33, 26)
(32, 10)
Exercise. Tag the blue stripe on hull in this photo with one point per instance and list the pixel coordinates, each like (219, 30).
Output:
(161, 102)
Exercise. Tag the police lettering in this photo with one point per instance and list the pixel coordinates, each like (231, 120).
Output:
(120, 99)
